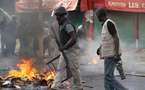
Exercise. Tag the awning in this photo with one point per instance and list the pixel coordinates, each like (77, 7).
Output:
(117, 5)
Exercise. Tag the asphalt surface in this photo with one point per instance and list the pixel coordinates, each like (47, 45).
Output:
(92, 74)
(94, 81)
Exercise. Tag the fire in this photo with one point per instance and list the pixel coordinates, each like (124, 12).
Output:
(50, 75)
(25, 70)
(93, 61)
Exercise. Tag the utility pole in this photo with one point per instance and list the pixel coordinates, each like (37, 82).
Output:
(137, 30)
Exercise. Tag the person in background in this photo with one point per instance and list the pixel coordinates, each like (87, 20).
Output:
(11, 34)
(3, 25)
(5, 19)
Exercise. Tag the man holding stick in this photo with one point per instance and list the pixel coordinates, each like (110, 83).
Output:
(69, 59)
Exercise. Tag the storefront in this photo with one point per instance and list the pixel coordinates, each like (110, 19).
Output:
(129, 16)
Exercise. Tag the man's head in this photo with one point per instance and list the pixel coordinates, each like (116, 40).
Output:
(101, 14)
(60, 13)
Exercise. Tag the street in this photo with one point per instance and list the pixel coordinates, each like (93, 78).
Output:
(92, 74)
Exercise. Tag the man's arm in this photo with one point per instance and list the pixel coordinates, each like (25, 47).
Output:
(99, 50)
(71, 31)
(112, 30)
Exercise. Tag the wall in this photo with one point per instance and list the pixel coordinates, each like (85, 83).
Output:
(126, 23)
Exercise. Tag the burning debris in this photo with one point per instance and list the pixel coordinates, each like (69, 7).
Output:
(93, 61)
(27, 75)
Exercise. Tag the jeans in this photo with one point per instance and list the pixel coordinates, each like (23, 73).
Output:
(110, 83)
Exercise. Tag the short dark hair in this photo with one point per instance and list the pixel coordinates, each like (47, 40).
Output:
(101, 12)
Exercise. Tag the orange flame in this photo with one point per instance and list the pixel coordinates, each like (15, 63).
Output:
(93, 61)
(27, 71)
(50, 75)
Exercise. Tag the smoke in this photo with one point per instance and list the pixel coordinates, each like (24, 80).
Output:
(127, 44)
(133, 58)
(90, 61)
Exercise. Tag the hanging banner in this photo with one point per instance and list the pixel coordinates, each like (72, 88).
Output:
(86, 5)
(27, 5)
(70, 5)
(126, 5)
(46, 5)
(99, 3)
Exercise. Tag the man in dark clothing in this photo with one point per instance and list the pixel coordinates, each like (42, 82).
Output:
(8, 38)
(10, 33)
(68, 41)
(30, 35)
(4, 21)
(3, 25)
(109, 50)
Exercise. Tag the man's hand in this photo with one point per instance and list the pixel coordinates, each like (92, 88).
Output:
(61, 49)
(117, 58)
(98, 51)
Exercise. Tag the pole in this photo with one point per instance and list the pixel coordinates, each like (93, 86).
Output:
(90, 17)
(137, 31)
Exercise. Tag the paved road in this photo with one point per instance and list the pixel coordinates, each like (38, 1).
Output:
(134, 63)
(95, 80)
(132, 82)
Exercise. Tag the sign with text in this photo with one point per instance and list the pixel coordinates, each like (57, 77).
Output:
(126, 5)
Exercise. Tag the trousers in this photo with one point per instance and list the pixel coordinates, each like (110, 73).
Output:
(110, 83)
(73, 59)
